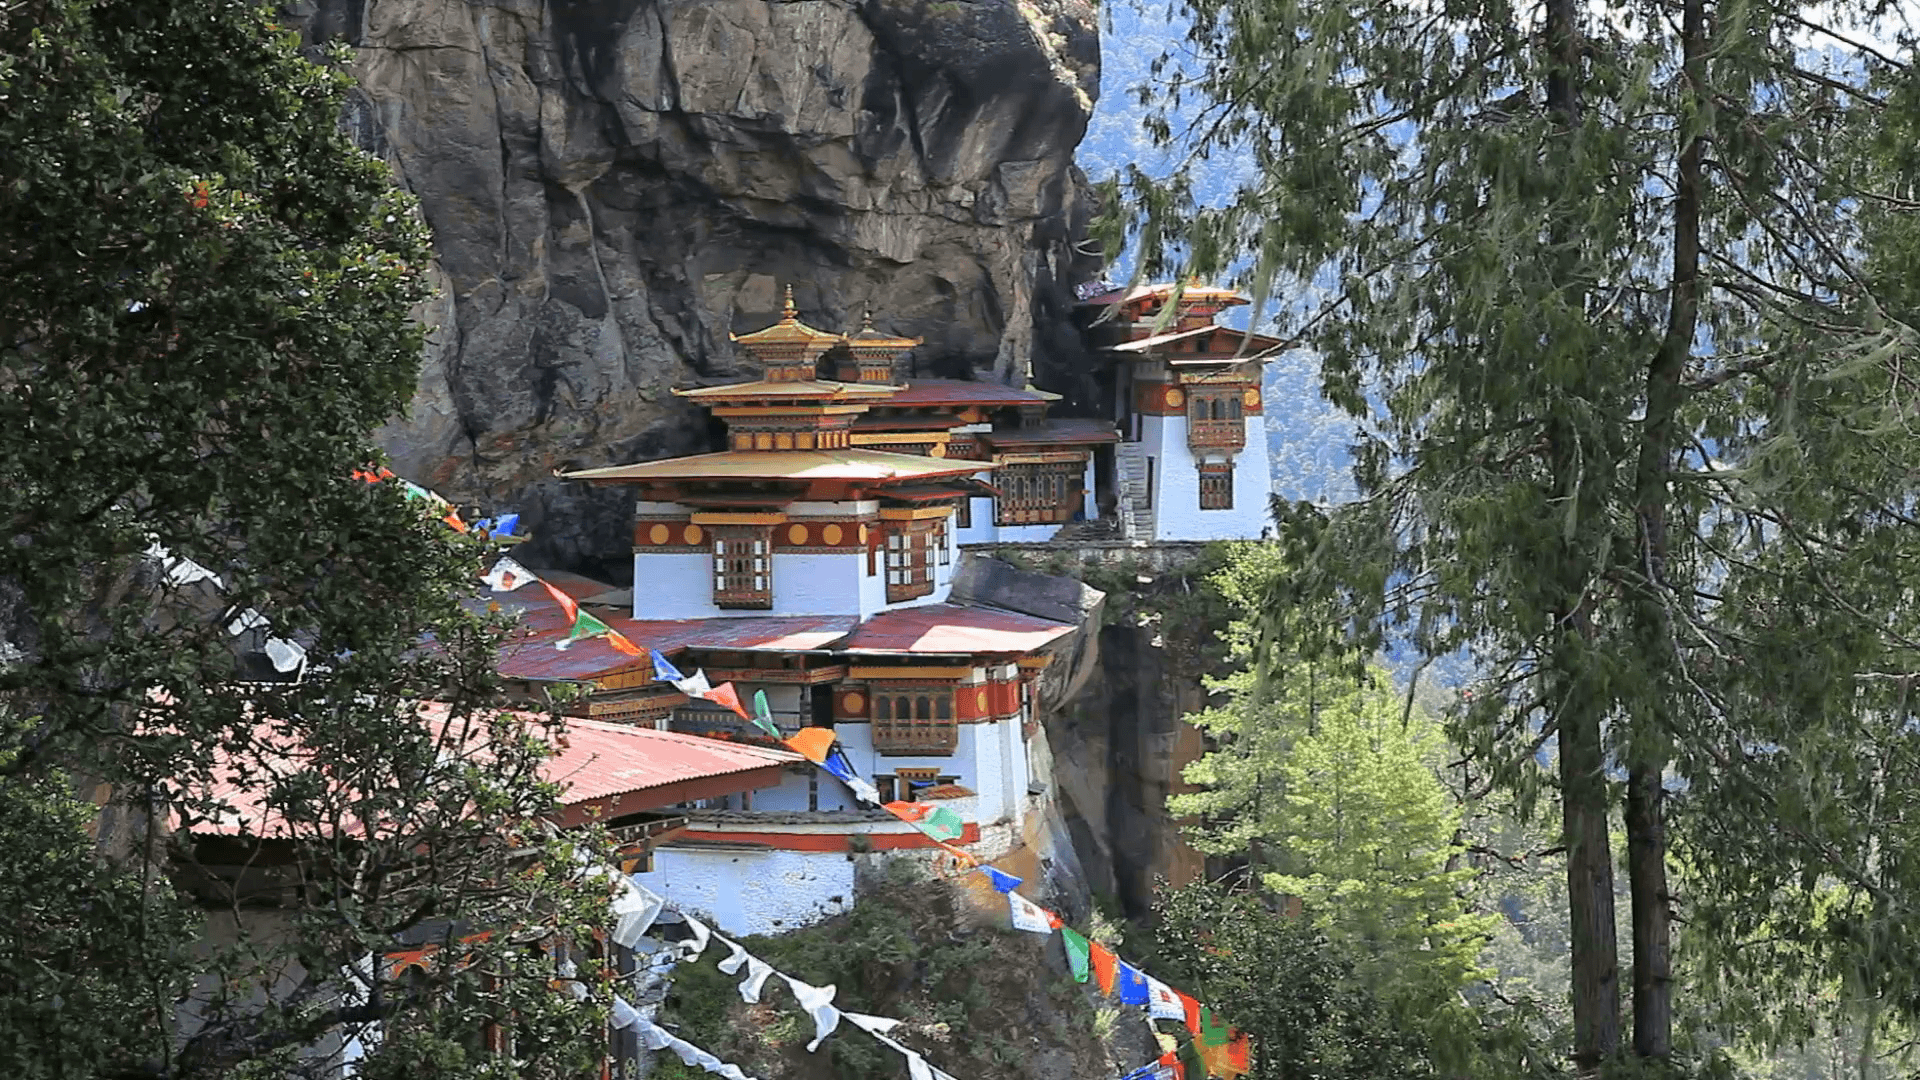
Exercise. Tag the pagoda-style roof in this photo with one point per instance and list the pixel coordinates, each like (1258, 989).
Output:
(1215, 294)
(870, 339)
(788, 331)
(1065, 431)
(868, 466)
(926, 392)
(816, 390)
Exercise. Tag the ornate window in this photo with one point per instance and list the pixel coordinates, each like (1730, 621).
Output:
(1215, 417)
(1216, 486)
(963, 513)
(1038, 493)
(742, 567)
(914, 720)
(910, 559)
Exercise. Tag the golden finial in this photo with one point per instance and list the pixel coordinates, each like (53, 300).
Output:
(789, 311)
(866, 321)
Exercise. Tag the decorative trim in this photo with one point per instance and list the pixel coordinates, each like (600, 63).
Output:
(773, 518)
(914, 513)
(891, 674)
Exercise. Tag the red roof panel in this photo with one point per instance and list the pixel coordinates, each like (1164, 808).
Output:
(966, 392)
(530, 653)
(950, 629)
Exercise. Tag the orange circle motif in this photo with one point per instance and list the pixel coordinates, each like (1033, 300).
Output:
(852, 703)
(863, 534)
(1176, 397)
(1252, 398)
(797, 535)
(693, 534)
(658, 534)
(830, 534)
(938, 450)
(980, 700)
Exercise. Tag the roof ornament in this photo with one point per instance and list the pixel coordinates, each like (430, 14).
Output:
(789, 313)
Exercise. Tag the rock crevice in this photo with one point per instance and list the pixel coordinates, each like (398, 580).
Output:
(615, 185)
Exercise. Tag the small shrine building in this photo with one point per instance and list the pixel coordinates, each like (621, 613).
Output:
(1192, 461)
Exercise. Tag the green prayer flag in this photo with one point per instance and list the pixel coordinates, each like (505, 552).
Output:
(1190, 1059)
(942, 824)
(763, 714)
(1212, 1031)
(1076, 952)
(585, 625)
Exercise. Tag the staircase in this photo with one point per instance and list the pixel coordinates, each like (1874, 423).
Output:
(1135, 511)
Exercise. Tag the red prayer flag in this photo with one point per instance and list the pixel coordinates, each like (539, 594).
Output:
(619, 641)
(566, 603)
(1106, 966)
(726, 695)
(1193, 1012)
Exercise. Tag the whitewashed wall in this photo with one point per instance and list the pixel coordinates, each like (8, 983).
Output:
(1176, 485)
(753, 892)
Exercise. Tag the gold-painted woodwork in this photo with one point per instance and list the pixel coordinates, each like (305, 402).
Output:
(773, 517)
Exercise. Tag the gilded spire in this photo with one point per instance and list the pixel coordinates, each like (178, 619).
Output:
(789, 312)
(866, 321)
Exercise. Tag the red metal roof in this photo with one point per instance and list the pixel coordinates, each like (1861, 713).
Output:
(1074, 431)
(1191, 292)
(530, 654)
(578, 586)
(950, 629)
(966, 392)
(603, 769)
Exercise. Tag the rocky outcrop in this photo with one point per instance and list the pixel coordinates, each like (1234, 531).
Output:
(615, 185)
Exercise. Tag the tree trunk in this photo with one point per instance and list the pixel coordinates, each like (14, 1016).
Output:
(1652, 906)
(1583, 784)
(1596, 962)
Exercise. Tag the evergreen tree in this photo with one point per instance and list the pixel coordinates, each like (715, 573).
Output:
(1607, 276)
(205, 316)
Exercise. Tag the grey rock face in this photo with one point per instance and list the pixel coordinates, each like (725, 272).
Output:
(614, 185)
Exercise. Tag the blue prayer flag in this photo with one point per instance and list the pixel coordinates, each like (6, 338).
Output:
(1002, 882)
(504, 525)
(1133, 985)
(663, 670)
(836, 763)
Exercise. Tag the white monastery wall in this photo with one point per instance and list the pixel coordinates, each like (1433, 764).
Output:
(1176, 485)
(753, 892)
(673, 585)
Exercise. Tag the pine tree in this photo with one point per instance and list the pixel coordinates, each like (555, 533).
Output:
(206, 314)
(1600, 282)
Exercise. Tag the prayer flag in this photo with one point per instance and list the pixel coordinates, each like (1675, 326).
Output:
(838, 764)
(665, 672)
(1191, 1009)
(620, 643)
(818, 1002)
(1076, 952)
(1191, 1060)
(864, 791)
(1105, 965)
(725, 695)
(584, 626)
(1162, 1002)
(566, 603)
(1002, 882)
(507, 576)
(812, 743)
(1133, 985)
(1212, 1031)
(763, 714)
(757, 972)
(696, 686)
(934, 820)
(1028, 915)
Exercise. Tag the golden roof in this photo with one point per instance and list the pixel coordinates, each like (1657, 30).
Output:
(874, 466)
(788, 331)
(869, 338)
(804, 389)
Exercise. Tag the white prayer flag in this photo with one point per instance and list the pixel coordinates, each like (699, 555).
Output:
(246, 621)
(872, 1025)
(864, 791)
(285, 655)
(634, 911)
(818, 1002)
(624, 1015)
(695, 685)
(757, 973)
(1162, 1002)
(507, 576)
(1028, 915)
(736, 958)
(653, 1036)
(691, 950)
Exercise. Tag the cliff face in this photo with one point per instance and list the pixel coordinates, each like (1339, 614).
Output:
(614, 185)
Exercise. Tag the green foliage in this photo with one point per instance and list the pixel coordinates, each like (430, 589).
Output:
(1624, 297)
(976, 997)
(207, 315)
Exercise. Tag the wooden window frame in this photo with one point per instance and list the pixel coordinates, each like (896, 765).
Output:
(931, 726)
(1216, 485)
(743, 579)
(1036, 492)
(909, 561)
(1216, 419)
